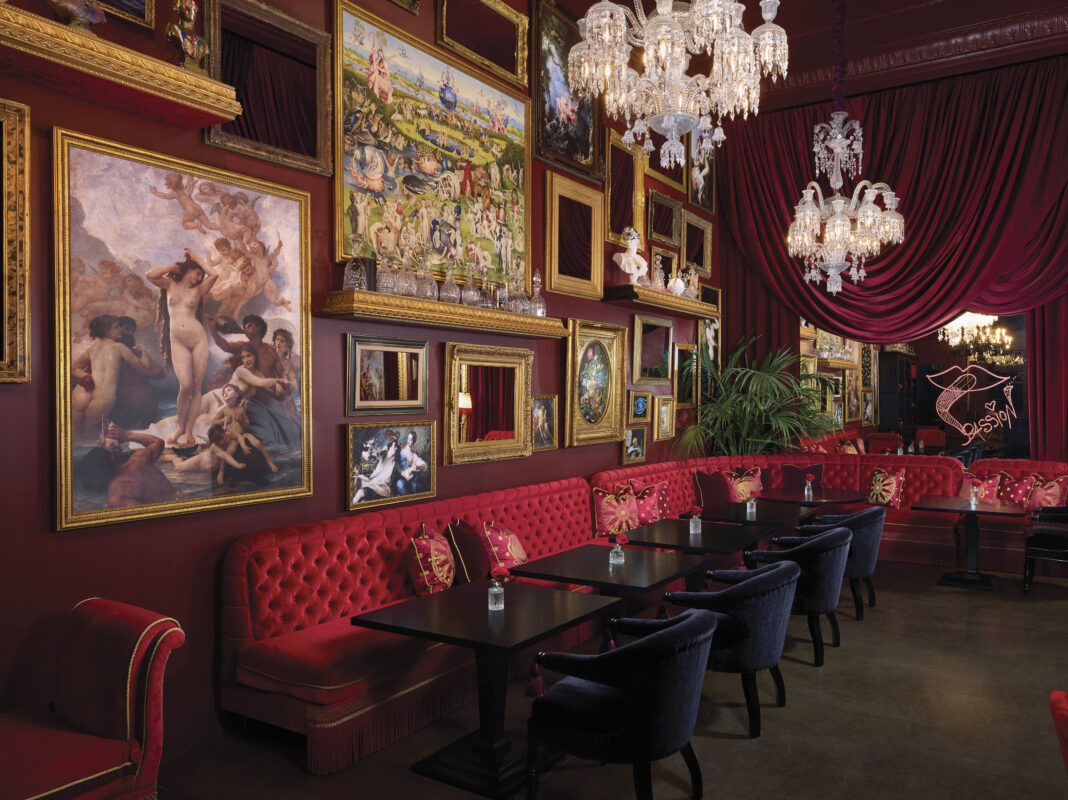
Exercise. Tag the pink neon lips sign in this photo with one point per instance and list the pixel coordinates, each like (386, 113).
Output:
(955, 383)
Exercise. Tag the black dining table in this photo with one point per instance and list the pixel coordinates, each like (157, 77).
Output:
(766, 515)
(820, 496)
(490, 761)
(715, 538)
(970, 577)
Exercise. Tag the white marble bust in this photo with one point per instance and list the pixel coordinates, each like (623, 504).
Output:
(629, 261)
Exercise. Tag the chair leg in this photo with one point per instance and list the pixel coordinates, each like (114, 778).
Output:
(643, 781)
(836, 635)
(871, 591)
(858, 601)
(1029, 574)
(752, 703)
(780, 686)
(532, 770)
(817, 638)
(694, 765)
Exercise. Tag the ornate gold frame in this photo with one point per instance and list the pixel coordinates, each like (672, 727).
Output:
(632, 395)
(704, 269)
(556, 422)
(271, 18)
(638, 192)
(15, 256)
(695, 379)
(522, 23)
(636, 376)
(431, 451)
(147, 21)
(645, 445)
(67, 515)
(355, 344)
(661, 401)
(669, 256)
(557, 186)
(609, 428)
(676, 219)
(458, 354)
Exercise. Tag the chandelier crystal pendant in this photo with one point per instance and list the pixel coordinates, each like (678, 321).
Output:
(664, 98)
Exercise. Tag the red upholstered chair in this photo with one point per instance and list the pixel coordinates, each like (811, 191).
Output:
(884, 443)
(934, 439)
(1058, 704)
(102, 735)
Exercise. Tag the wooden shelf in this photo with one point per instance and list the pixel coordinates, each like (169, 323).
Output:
(80, 63)
(413, 311)
(645, 297)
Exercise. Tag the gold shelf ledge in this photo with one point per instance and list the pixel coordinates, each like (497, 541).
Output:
(82, 63)
(643, 296)
(413, 311)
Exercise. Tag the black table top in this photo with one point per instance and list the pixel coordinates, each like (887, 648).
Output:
(820, 496)
(962, 505)
(718, 538)
(460, 616)
(588, 565)
(767, 515)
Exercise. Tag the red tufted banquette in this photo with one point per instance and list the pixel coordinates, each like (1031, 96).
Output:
(289, 655)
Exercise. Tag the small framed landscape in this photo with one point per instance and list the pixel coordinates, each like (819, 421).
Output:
(545, 422)
(639, 407)
(663, 418)
(385, 376)
(391, 463)
(634, 446)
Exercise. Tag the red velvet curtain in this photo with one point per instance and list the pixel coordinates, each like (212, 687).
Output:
(981, 166)
(1047, 380)
(574, 233)
(492, 406)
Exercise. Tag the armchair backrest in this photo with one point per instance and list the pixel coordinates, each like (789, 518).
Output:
(883, 442)
(867, 529)
(822, 559)
(1058, 706)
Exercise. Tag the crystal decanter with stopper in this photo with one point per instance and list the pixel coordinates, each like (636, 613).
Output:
(470, 294)
(658, 276)
(537, 303)
(384, 277)
(450, 292)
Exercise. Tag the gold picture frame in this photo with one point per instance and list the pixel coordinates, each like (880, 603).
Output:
(574, 249)
(669, 261)
(385, 375)
(94, 254)
(470, 372)
(652, 356)
(710, 337)
(686, 379)
(145, 16)
(624, 189)
(663, 219)
(639, 407)
(663, 418)
(546, 422)
(696, 229)
(15, 258)
(390, 462)
(483, 23)
(634, 445)
(596, 381)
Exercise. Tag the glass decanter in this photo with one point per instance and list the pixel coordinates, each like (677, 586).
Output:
(430, 286)
(450, 292)
(658, 276)
(537, 303)
(470, 294)
(385, 280)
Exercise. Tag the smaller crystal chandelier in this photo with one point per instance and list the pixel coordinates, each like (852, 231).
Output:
(976, 337)
(664, 97)
(840, 233)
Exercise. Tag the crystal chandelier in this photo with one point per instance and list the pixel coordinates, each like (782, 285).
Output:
(664, 98)
(840, 233)
(976, 336)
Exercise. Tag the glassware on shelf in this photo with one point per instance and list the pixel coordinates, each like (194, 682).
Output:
(470, 294)
(537, 303)
(430, 285)
(485, 294)
(450, 292)
(658, 276)
(503, 298)
(522, 304)
(385, 280)
(355, 276)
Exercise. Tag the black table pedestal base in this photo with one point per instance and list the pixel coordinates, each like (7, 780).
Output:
(466, 764)
(969, 580)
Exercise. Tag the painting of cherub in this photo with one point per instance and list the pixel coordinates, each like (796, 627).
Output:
(176, 285)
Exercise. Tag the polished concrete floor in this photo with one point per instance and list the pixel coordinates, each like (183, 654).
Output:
(938, 693)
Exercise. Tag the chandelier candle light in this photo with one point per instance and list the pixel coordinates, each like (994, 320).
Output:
(840, 233)
(664, 98)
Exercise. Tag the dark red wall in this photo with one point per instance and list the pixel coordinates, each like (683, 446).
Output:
(171, 565)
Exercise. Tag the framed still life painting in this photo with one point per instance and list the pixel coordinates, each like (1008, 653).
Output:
(207, 404)
(385, 376)
(596, 376)
(15, 241)
(431, 162)
(567, 131)
(391, 463)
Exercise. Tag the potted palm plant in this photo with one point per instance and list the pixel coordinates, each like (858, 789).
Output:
(753, 409)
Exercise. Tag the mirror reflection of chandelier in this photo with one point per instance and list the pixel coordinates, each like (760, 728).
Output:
(664, 98)
(976, 337)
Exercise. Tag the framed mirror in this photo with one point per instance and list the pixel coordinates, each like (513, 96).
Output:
(697, 243)
(497, 42)
(652, 351)
(664, 219)
(384, 375)
(573, 247)
(624, 187)
(710, 295)
(488, 407)
(687, 375)
(664, 418)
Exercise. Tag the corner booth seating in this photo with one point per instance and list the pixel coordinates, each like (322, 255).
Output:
(291, 658)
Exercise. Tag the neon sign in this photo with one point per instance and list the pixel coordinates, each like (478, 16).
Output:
(955, 383)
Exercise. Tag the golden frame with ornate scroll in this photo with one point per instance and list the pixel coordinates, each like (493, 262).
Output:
(637, 192)
(596, 382)
(517, 18)
(15, 257)
(557, 187)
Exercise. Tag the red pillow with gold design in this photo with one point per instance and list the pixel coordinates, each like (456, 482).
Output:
(742, 485)
(1015, 490)
(504, 548)
(846, 447)
(887, 488)
(429, 562)
(727, 487)
(651, 499)
(988, 487)
(617, 511)
(1048, 493)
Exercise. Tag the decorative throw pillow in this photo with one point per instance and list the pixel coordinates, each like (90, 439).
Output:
(429, 562)
(469, 550)
(616, 511)
(988, 487)
(503, 547)
(744, 484)
(846, 447)
(727, 487)
(710, 487)
(1048, 493)
(1015, 490)
(651, 500)
(793, 477)
(887, 488)
(859, 442)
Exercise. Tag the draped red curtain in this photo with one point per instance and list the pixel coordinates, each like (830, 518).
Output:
(981, 166)
(1047, 380)
(492, 406)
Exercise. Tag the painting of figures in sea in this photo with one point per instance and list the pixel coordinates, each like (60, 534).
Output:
(183, 340)
(432, 164)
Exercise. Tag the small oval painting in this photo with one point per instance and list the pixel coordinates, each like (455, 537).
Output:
(594, 376)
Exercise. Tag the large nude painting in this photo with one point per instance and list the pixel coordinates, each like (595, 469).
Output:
(182, 336)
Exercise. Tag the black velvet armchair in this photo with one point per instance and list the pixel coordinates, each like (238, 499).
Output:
(757, 604)
(634, 704)
(1047, 540)
(867, 529)
(822, 559)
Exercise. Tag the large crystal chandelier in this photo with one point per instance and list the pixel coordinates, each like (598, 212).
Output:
(664, 98)
(840, 233)
(977, 337)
